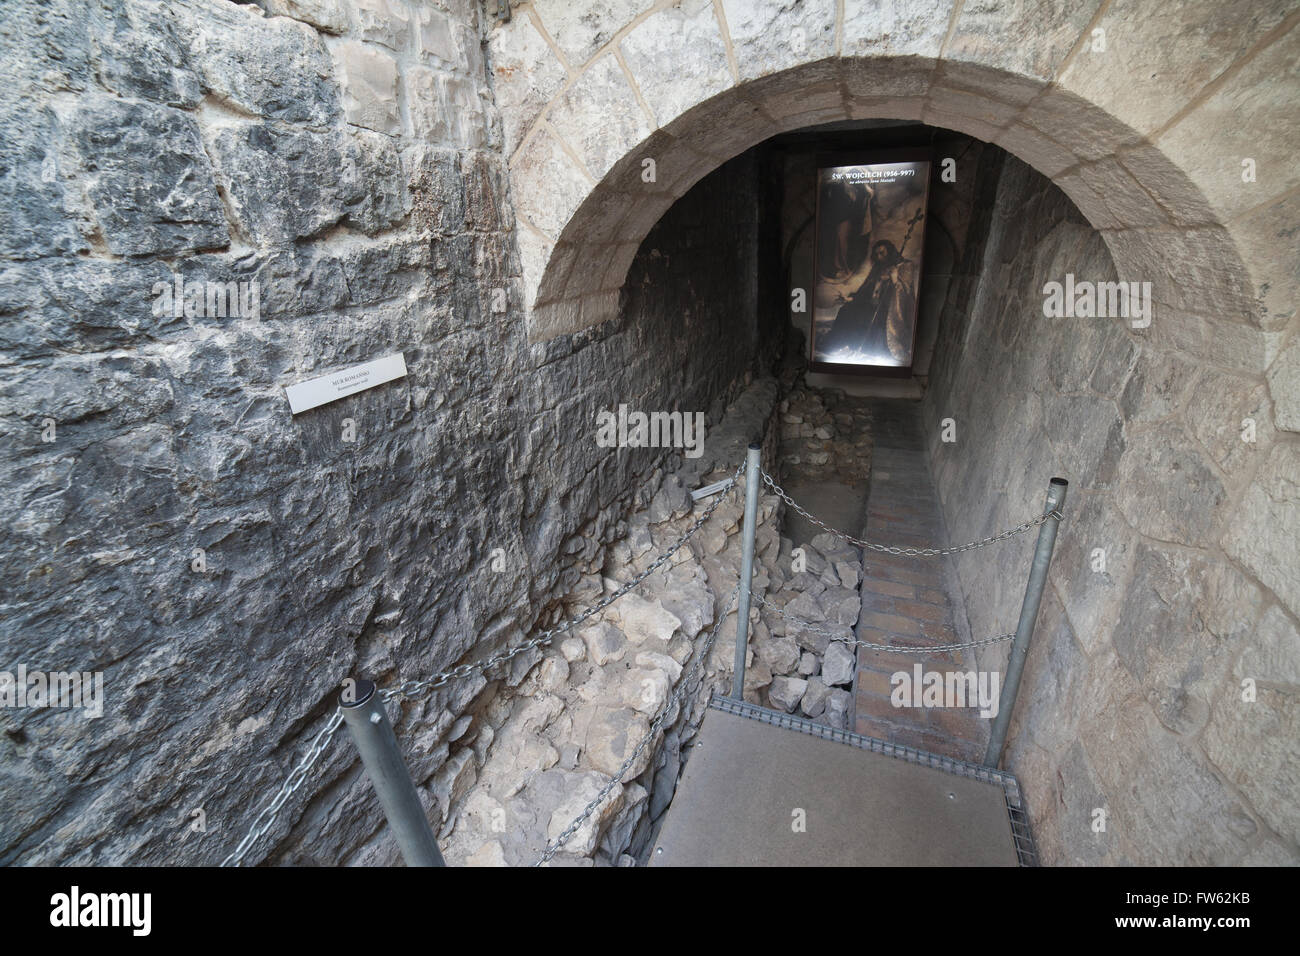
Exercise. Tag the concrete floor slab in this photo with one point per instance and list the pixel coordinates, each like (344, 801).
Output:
(839, 505)
(737, 803)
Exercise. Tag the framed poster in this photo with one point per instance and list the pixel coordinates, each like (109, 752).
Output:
(869, 233)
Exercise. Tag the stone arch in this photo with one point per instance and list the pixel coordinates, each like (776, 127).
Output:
(689, 85)
(1143, 120)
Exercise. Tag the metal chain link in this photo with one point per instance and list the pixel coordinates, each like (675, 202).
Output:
(554, 846)
(264, 820)
(854, 642)
(409, 689)
(906, 649)
(896, 549)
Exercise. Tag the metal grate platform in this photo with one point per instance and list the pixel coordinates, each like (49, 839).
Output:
(756, 773)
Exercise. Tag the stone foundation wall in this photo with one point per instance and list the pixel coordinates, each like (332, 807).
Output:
(224, 563)
(1163, 684)
(529, 759)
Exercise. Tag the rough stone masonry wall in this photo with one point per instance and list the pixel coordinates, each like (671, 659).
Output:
(346, 155)
(1132, 700)
(530, 759)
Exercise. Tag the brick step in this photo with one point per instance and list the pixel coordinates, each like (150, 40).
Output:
(905, 601)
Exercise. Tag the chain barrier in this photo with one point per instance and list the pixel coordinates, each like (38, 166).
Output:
(263, 821)
(554, 846)
(854, 642)
(411, 689)
(896, 549)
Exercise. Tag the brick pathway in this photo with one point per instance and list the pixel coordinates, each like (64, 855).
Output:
(905, 600)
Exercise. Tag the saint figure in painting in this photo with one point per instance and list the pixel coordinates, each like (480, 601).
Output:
(876, 318)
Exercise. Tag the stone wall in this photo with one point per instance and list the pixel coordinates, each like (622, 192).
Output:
(224, 563)
(1184, 161)
(529, 760)
(687, 338)
(1171, 583)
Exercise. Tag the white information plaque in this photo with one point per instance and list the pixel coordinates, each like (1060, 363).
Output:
(341, 384)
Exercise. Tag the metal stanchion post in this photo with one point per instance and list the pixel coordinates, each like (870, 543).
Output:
(368, 723)
(752, 482)
(1028, 615)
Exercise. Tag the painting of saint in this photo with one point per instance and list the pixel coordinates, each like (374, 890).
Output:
(870, 231)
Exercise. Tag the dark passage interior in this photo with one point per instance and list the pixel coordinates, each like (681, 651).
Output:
(854, 448)
(1000, 398)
